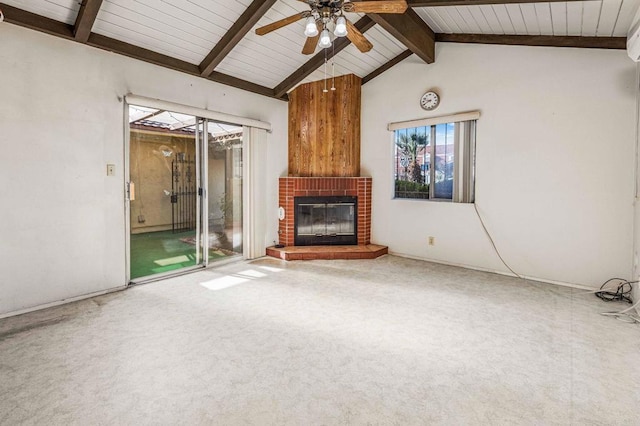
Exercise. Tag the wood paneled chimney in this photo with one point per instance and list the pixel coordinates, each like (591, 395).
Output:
(324, 128)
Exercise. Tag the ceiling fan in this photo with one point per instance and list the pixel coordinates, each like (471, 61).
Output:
(327, 16)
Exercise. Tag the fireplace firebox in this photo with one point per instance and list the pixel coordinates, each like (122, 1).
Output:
(330, 220)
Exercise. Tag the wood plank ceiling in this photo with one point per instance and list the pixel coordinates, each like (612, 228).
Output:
(215, 38)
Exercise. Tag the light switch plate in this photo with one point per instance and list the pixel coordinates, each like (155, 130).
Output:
(111, 169)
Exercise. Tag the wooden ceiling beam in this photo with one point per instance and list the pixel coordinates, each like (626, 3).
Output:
(238, 30)
(126, 49)
(409, 29)
(20, 17)
(314, 63)
(230, 80)
(150, 56)
(86, 17)
(435, 3)
(373, 74)
(36, 22)
(537, 40)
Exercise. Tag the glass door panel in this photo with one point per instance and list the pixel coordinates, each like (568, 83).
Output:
(224, 186)
(163, 194)
(340, 219)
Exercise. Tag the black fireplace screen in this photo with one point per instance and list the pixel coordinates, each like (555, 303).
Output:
(325, 221)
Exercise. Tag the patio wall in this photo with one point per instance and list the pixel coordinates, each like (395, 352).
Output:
(151, 173)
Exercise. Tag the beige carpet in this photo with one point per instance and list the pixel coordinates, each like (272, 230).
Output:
(389, 341)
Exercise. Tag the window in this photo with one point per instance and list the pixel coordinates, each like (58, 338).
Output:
(434, 158)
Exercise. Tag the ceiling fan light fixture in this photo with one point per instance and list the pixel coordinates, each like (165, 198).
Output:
(341, 27)
(325, 20)
(311, 29)
(325, 39)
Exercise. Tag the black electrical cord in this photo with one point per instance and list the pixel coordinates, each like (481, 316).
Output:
(622, 292)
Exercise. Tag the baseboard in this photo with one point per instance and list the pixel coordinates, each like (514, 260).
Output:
(408, 256)
(493, 271)
(61, 302)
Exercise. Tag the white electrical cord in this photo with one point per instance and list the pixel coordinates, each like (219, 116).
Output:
(624, 315)
(486, 231)
(1, 16)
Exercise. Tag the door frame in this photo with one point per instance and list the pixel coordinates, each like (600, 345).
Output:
(201, 201)
(252, 157)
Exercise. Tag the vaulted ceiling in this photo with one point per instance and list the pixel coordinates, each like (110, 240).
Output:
(215, 39)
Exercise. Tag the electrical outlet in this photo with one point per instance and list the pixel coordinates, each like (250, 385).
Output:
(432, 241)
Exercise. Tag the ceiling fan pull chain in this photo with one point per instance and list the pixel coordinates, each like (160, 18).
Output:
(325, 72)
(333, 67)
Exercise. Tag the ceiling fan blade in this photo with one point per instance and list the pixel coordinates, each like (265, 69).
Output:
(310, 45)
(356, 37)
(281, 23)
(381, 6)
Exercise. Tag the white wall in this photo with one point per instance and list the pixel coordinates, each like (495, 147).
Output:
(555, 149)
(636, 224)
(62, 229)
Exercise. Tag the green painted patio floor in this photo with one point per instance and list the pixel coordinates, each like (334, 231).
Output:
(157, 252)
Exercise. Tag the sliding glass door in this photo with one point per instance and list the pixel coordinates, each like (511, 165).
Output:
(224, 182)
(184, 192)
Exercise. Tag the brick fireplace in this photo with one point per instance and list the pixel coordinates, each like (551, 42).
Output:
(324, 161)
(291, 187)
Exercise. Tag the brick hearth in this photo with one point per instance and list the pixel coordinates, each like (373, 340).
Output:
(291, 187)
(370, 251)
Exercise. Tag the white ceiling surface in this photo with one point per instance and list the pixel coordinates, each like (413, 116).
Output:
(604, 18)
(269, 59)
(351, 60)
(60, 10)
(183, 29)
(189, 29)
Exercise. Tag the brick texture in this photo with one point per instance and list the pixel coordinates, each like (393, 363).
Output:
(291, 187)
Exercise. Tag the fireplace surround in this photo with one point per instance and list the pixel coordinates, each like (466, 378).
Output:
(357, 187)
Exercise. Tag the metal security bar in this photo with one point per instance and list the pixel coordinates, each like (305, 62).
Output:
(183, 192)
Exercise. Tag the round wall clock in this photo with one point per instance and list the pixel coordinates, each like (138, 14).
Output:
(430, 101)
